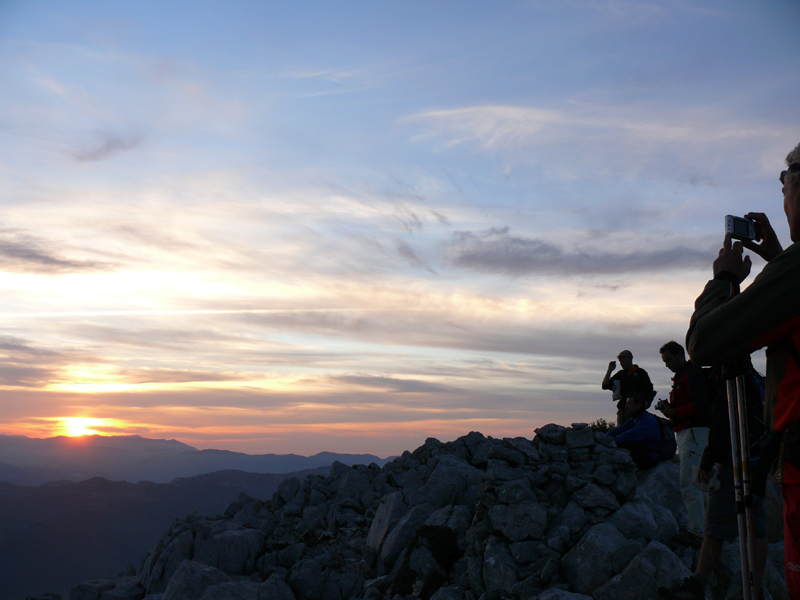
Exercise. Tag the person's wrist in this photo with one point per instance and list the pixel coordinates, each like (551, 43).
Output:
(729, 276)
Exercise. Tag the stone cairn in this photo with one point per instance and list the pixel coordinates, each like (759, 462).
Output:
(564, 516)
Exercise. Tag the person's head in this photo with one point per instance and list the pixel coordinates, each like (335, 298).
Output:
(625, 359)
(790, 179)
(674, 357)
(635, 405)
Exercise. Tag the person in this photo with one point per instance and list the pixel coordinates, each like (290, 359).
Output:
(631, 379)
(728, 323)
(687, 409)
(721, 523)
(640, 434)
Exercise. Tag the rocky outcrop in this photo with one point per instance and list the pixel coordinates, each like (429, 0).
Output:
(562, 516)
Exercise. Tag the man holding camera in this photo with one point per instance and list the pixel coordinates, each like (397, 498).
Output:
(728, 324)
(688, 411)
(630, 380)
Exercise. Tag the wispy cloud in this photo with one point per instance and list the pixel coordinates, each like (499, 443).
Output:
(603, 136)
(23, 253)
(497, 251)
(107, 144)
(392, 384)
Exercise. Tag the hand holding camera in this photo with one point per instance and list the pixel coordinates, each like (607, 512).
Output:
(769, 246)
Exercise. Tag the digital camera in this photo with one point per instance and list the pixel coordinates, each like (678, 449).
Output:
(740, 228)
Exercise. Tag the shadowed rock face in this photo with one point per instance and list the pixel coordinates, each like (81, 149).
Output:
(558, 517)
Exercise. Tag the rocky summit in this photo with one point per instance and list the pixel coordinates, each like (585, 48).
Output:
(562, 516)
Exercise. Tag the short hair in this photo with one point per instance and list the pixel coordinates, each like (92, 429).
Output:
(673, 348)
(791, 158)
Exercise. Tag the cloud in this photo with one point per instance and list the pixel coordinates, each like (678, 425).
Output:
(407, 252)
(23, 253)
(608, 139)
(24, 365)
(24, 376)
(391, 384)
(140, 376)
(496, 251)
(107, 144)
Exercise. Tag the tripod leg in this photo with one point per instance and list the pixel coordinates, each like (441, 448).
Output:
(737, 484)
(744, 450)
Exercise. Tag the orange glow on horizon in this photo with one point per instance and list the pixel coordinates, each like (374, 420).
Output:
(80, 426)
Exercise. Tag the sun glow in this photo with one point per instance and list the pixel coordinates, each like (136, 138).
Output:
(77, 426)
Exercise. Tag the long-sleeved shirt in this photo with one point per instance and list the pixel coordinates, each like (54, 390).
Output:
(643, 428)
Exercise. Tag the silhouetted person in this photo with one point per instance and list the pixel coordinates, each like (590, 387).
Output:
(729, 323)
(688, 410)
(640, 435)
(629, 381)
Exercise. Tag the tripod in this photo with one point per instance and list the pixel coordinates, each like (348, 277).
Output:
(740, 452)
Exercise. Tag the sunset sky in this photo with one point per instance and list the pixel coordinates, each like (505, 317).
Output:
(278, 227)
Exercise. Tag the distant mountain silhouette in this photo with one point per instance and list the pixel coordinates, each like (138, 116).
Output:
(56, 535)
(30, 461)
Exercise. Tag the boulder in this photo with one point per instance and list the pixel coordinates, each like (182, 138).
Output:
(399, 537)
(233, 590)
(594, 496)
(275, 588)
(233, 551)
(499, 568)
(579, 438)
(658, 487)
(635, 520)
(191, 579)
(589, 564)
(161, 564)
(519, 521)
(388, 515)
(656, 566)
(453, 481)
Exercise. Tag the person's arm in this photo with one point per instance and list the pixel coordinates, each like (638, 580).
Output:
(645, 428)
(606, 385)
(726, 324)
(620, 429)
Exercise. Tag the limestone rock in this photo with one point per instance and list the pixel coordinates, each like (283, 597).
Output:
(656, 566)
(635, 520)
(233, 551)
(519, 521)
(589, 565)
(191, 579)
(233, 590)
(274, 588)
(389, 513)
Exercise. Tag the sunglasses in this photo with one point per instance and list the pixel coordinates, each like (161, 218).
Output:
(793, 168)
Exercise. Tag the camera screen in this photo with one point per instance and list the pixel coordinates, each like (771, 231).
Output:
(741, 227)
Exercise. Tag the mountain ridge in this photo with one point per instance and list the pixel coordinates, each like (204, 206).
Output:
(35, 461)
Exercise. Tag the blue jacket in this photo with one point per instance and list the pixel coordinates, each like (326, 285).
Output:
(643, 428)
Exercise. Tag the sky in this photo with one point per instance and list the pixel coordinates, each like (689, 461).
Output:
(276, 227)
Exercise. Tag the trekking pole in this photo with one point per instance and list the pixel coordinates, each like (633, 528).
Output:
(747, 492)
(735, 389)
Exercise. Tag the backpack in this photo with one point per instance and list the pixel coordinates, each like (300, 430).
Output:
(668, 445)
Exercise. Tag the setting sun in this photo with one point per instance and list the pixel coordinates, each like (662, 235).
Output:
(77, 426)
